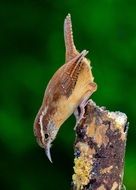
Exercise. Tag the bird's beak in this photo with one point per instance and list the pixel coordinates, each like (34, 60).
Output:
(47, 151)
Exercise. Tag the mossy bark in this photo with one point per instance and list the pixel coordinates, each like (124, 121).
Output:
(99, 149)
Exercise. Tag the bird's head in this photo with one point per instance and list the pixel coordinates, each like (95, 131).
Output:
(45, 131)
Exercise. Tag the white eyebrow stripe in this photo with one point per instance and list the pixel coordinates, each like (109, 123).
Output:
(41, 124)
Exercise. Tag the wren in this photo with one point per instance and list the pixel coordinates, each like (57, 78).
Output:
(67, 92)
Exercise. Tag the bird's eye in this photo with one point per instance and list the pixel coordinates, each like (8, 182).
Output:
(46, 136)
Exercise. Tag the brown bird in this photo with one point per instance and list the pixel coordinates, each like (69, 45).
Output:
(69, 89)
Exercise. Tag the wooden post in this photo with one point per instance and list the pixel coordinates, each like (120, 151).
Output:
(99, 149)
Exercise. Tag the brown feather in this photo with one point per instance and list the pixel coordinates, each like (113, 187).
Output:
(71, 50)
(69, 78)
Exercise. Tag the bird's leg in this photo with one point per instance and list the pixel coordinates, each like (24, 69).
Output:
(80, 110)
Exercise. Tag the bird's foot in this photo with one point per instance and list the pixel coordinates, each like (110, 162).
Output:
(80, 111)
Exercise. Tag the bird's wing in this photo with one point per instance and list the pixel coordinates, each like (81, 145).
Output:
(71, 73)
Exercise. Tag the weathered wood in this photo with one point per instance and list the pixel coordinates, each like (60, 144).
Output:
(99, 149)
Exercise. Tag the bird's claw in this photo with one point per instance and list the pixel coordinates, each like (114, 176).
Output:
(80, 111)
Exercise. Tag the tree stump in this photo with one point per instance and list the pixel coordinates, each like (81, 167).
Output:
(99, 149)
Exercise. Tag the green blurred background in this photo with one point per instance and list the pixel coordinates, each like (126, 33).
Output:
(31, 50)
